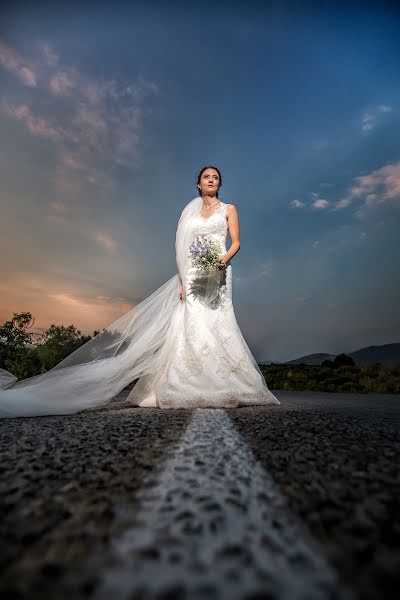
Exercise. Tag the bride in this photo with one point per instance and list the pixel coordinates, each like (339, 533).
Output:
(182, 343)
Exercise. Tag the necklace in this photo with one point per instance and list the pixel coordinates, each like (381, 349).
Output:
(205, 208)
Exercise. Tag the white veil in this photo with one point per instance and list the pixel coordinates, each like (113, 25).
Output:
(127, 349)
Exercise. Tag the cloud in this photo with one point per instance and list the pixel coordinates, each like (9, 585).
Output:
(47, 51)
(383, 108)
(317, 202)
(64, 214)
(27, 76)
(61, 84)
(377, 187)
(60, 206)
(56, 219)
(368, 122)
(96, 126)
(105, 117)
(296, 204)
(106, 240)
(37, 125)
(369, 119)
(86, 310)
(13, 62)
(264, 269)
(320, 203)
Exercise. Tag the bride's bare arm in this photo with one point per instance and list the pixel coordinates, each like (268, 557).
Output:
(181, 290)
(234, 232)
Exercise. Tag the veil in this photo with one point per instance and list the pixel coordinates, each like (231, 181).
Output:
(125, 350)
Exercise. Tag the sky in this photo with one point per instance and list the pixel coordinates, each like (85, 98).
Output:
(108, 111)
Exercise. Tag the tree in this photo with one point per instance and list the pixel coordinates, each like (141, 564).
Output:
(343, 360)
(17, 346)
(327, 363)
(59, 342)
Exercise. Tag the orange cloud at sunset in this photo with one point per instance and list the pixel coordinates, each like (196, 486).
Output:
(60, 307)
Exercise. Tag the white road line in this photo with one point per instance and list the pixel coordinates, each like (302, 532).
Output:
(215, 525)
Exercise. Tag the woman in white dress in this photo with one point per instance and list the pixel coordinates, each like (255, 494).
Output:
(182, 342)
(207, 362)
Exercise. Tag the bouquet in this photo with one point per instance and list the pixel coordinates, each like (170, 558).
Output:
(205, 253)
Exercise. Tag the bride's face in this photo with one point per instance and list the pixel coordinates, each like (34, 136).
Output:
(209, 181)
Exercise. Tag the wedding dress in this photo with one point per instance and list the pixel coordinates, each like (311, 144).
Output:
(186, 353)
(207, 362)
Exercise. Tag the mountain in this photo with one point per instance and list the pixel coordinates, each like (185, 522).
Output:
(311, 359)
(385, 354)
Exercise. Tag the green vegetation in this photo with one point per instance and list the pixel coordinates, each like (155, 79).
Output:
(26, 354)
(338, 375)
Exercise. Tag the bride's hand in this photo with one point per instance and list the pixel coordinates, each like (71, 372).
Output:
(181, 294)
(221, 265)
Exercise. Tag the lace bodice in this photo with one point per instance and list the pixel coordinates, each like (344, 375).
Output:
(215, 226)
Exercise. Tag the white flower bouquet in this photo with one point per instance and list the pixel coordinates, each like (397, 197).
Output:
(205, 253)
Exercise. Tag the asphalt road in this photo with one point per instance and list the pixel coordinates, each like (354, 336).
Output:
(299, 500)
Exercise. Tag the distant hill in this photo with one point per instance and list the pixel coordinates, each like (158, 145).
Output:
(312, 359)
(385, 354)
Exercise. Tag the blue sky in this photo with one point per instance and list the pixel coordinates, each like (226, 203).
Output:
(107, 114)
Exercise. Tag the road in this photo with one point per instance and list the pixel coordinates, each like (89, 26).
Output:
(299, 500)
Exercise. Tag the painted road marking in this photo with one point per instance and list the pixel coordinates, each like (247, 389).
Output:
(215, 525)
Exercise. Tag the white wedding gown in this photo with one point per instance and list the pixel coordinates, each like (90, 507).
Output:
(206, 361)
(186, 353)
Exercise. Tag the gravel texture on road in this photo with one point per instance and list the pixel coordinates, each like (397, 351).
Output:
(72, 486)
(68, 483)
(336, 459)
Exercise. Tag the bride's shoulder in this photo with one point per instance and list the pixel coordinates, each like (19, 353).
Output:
(230, 208)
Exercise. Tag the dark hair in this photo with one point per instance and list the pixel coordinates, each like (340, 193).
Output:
(201, 173)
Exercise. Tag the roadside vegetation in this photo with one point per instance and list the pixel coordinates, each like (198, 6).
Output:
(25, 353)
(338, 375)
